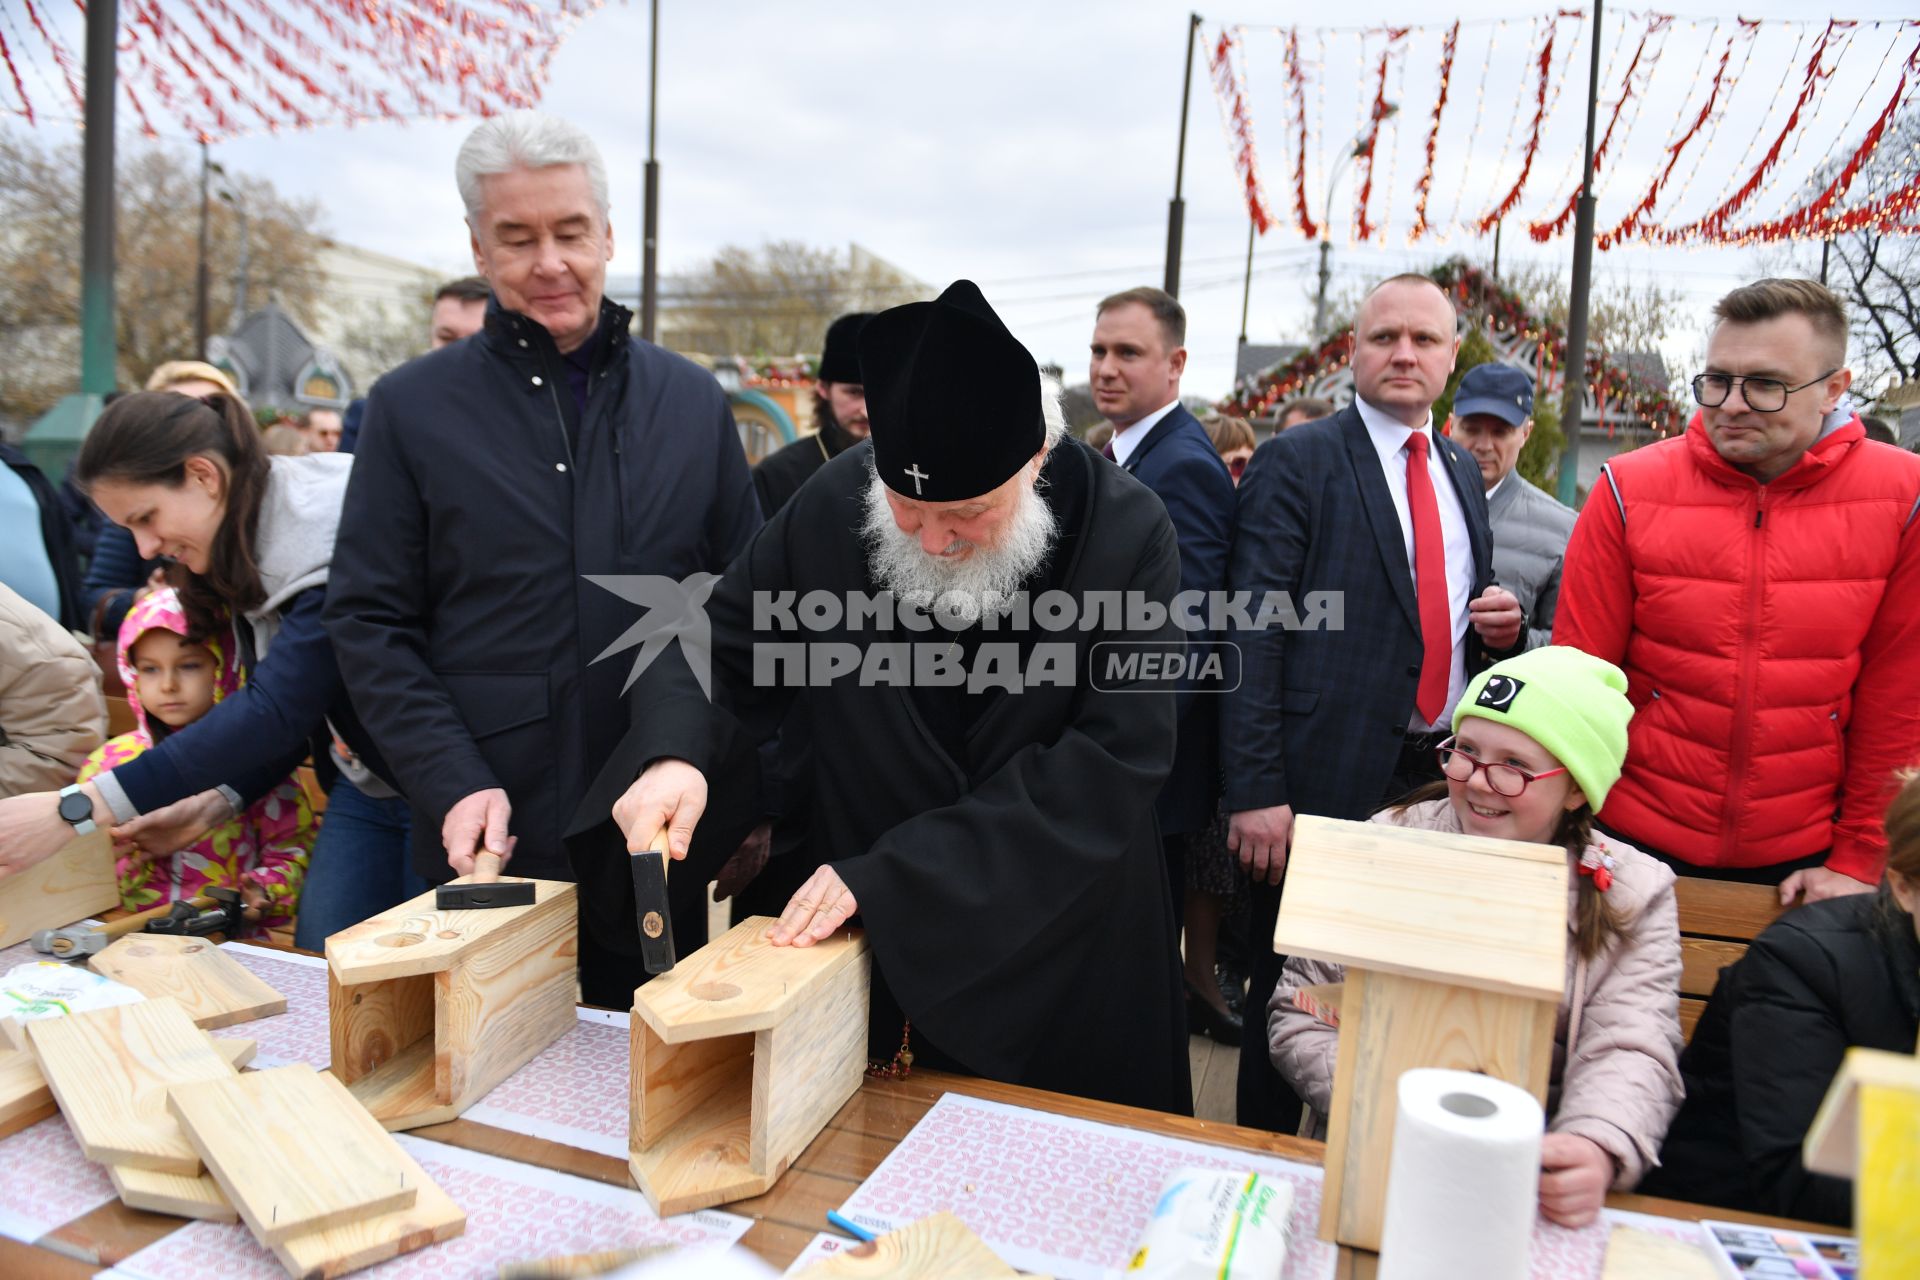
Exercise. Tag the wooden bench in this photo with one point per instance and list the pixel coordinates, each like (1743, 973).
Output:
(1718, 918)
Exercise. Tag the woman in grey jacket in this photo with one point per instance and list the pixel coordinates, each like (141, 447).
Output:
(252, 543)
(1538, 740)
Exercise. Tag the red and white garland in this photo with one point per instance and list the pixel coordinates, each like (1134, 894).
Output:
(220, 68)
(1782, 84)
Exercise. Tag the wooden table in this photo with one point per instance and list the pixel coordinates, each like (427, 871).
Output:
(853, 1144)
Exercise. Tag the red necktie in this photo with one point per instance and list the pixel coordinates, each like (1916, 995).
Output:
(1430, 583)
(1106, 451)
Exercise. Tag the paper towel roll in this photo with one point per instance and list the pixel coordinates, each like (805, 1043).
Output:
(1463, 1185)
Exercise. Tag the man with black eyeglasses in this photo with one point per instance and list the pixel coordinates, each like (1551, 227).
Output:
(1758, 578)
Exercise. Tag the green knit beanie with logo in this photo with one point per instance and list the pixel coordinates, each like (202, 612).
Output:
(1570, 702)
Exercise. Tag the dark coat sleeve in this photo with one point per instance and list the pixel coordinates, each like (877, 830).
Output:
(1198, 496)
(1787, 1042)
(377, 614)
(1271, 544)
(252, 739)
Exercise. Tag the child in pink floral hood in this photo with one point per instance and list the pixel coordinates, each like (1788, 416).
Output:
(173, 680)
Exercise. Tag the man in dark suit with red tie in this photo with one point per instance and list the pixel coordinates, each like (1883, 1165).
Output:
(1373, 504)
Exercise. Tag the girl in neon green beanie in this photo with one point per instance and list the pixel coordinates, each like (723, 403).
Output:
(1538, 740)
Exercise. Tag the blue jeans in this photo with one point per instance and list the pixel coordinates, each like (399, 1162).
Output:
(360, 865)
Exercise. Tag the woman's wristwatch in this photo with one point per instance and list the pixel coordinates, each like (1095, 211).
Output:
(76, 810)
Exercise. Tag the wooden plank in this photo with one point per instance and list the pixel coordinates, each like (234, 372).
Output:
(371, 1023)
(1390, 1024)
(1458, 909)
(1725, 908)
(740, 982)
(236, 1051)
(415, 937)
(215, 989)
(671, 1080)
(110, 1070)
(182, 1195)
(705, 1159)
(73, 884)
(176, 1193)
(806, 1066)
(337, 1250)
(1701, 960)
(506, 997)
(291, 1154)
(938, 1247)
(400, 1093)
(24, 1096)
(1690, 1011)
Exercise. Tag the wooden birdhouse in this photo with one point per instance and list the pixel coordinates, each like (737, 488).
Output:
(741, 1054)
(1455, 955)
(430, 1009)
(1868, 1129)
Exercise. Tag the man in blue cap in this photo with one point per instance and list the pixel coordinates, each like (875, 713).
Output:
(1492, 418)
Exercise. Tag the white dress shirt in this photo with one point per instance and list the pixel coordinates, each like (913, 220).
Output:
(1390, 437)
(1127, 439)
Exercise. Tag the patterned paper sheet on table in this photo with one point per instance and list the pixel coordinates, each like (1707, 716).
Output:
(1070, 1197)
(299, 1034)
(515, 1212)
(1061, 1196)
(574, 1092)
(19, 953)
(45, 1181)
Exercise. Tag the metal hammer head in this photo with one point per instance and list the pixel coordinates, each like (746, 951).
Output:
(480, 896)
(70, 943)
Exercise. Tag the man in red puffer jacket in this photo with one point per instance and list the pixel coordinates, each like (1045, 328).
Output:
(1759, 581)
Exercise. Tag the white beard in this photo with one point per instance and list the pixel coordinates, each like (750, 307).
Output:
(959, 590)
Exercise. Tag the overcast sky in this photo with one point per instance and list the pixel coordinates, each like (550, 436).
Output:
(1029, 146)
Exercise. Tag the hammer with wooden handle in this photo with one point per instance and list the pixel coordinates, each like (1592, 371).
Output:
(649, 868)
(484, 888)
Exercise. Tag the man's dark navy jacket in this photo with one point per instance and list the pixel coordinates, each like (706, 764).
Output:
(459, 602)
(1178, 462)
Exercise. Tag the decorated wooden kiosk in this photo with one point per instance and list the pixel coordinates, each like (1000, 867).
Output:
(1455, 955)
(741, 1054)
(428, 1009)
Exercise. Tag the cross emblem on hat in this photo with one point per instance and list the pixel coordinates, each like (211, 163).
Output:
(918, 475)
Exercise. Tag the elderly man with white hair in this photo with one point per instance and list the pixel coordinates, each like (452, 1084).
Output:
(495, 480)
(945, 598)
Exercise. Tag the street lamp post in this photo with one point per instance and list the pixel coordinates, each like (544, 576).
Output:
(650, 198)
(1347, 157)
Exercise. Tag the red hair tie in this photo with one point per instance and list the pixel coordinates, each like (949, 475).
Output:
(1599, 866)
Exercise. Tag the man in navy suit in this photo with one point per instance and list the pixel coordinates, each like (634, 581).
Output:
(1138, 354)
(1375, 505)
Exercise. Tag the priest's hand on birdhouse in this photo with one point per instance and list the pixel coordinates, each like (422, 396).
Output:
(669, 793)
(821, 905)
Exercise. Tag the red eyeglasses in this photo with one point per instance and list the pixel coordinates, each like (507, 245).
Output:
(1506, 779)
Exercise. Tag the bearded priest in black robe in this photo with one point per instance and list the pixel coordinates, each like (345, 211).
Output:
(993, 834)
